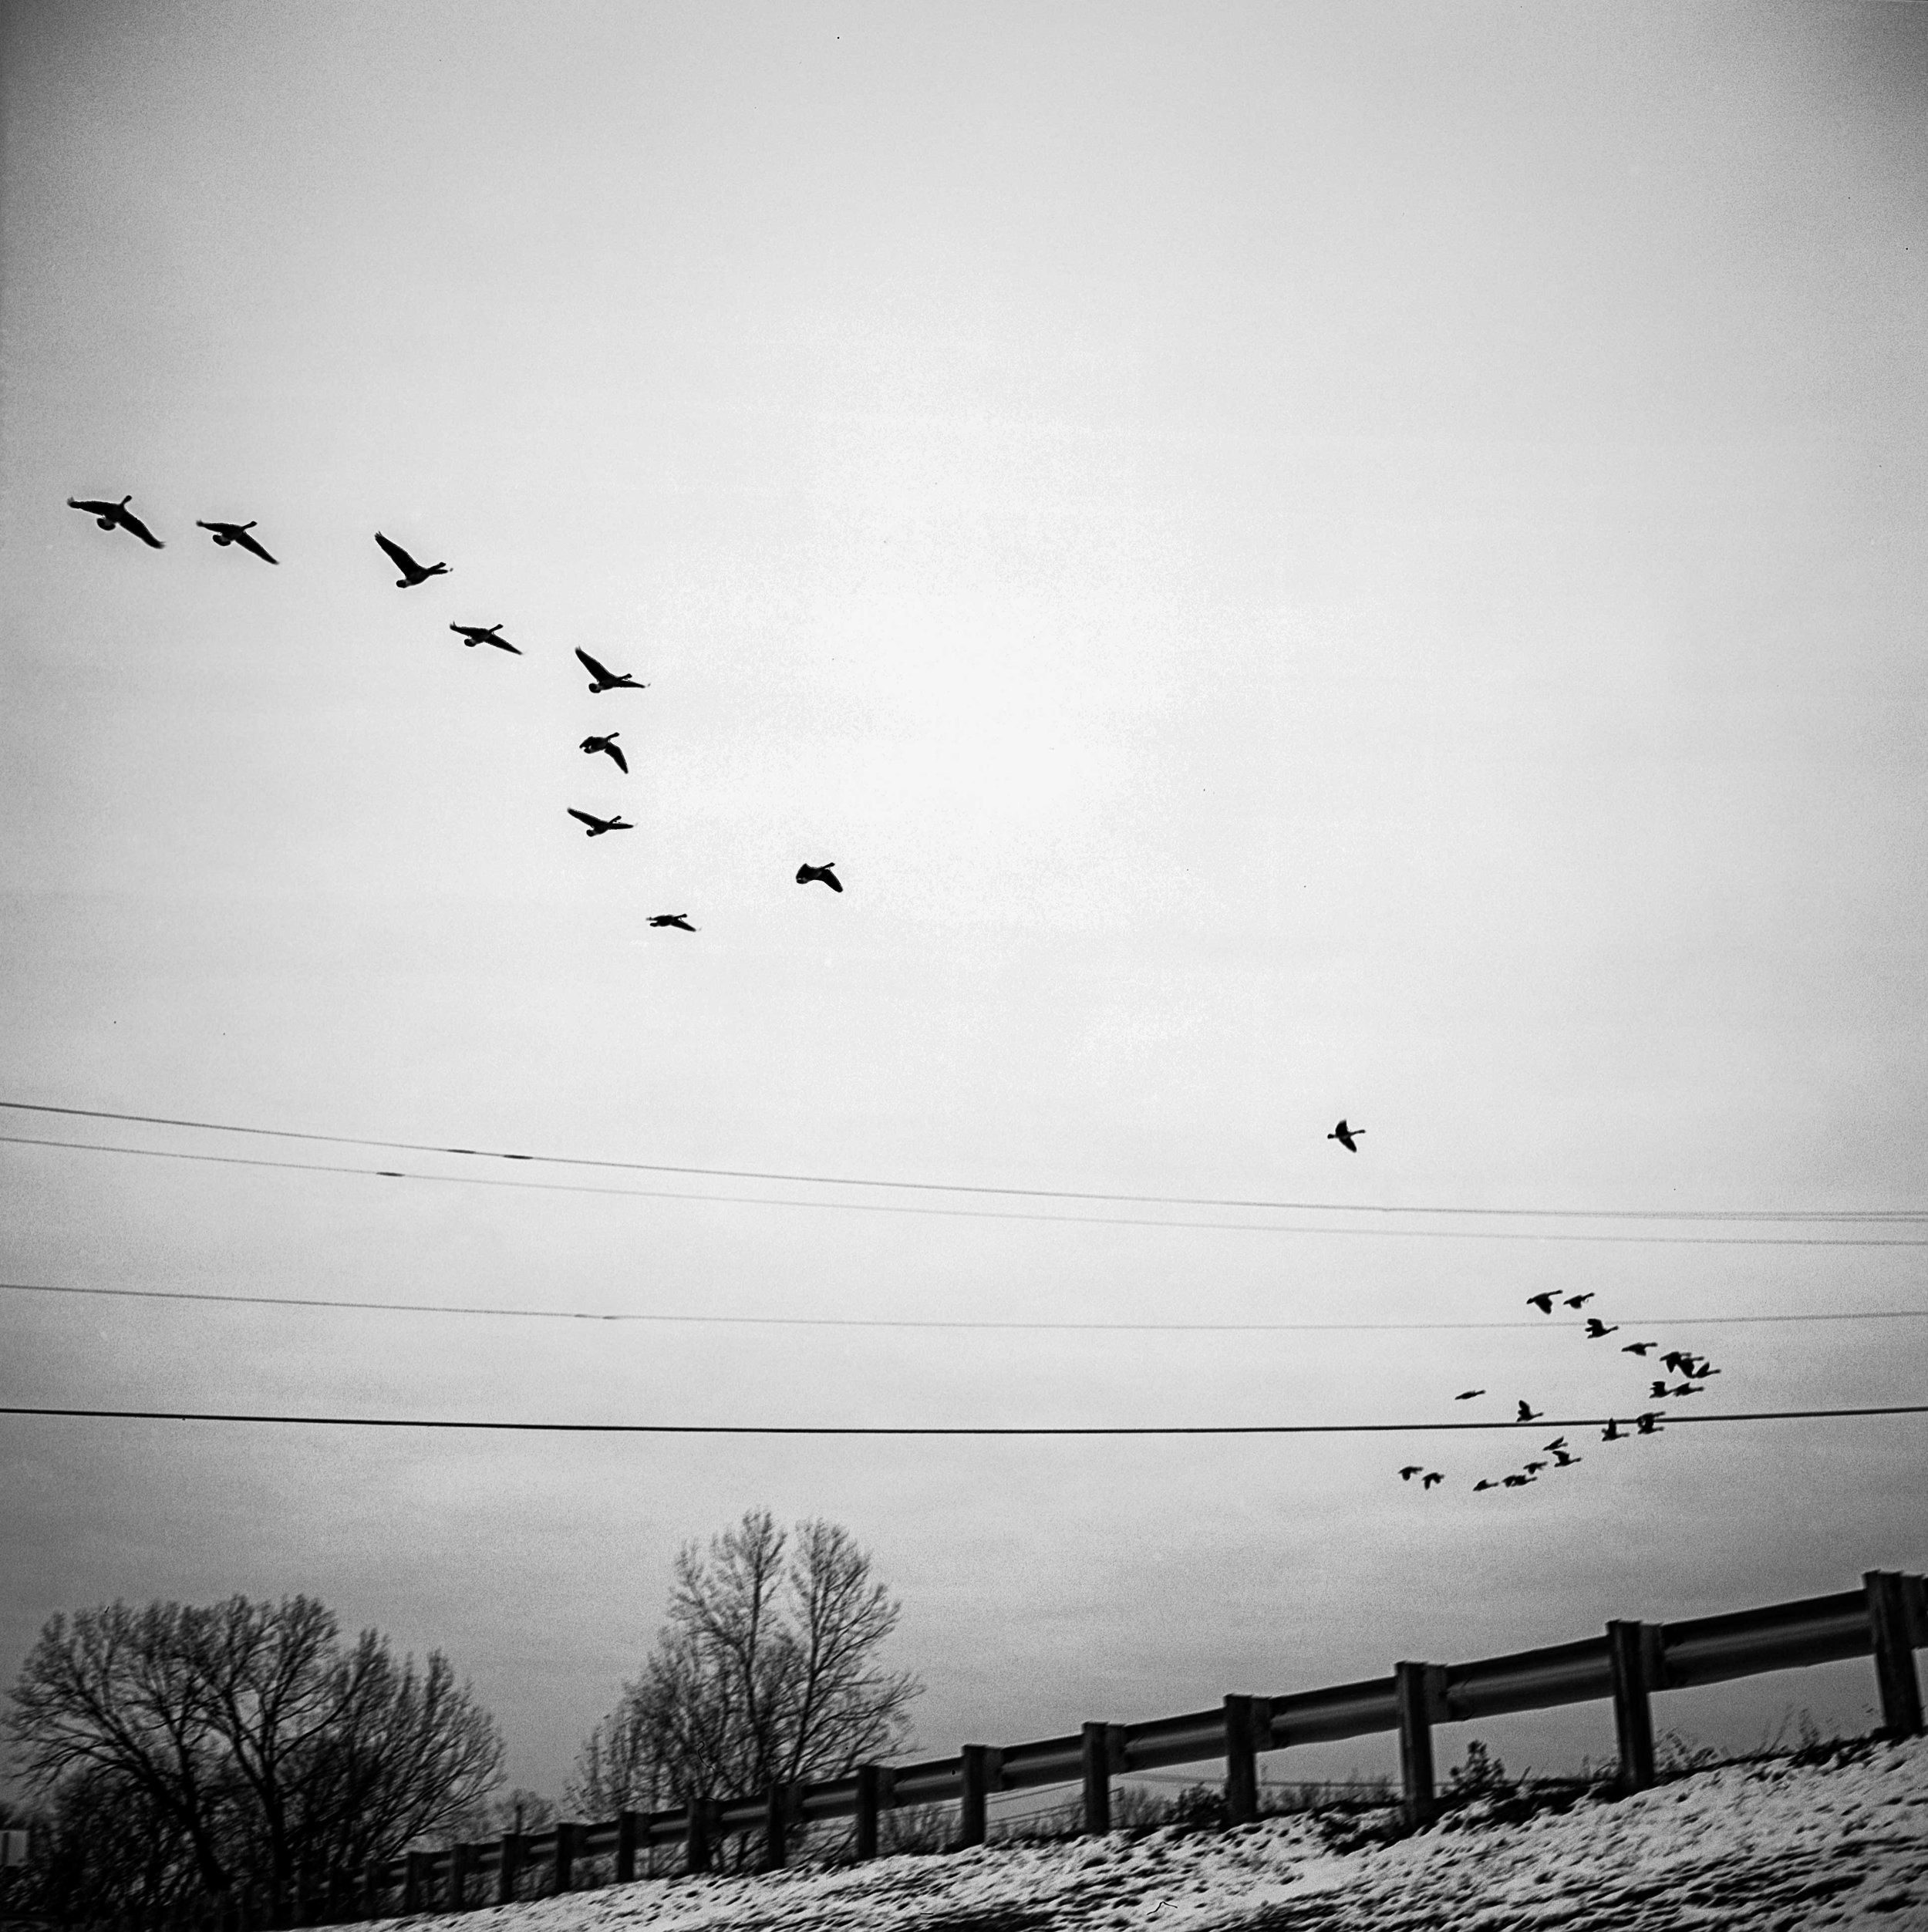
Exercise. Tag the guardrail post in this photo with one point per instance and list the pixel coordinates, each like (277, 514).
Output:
(696, 1845)
(1101, 1753)
(565, 1855)
(625, 1846)
(983, 1766)
(1246, 1719)
(1889, 1626)
(460, 1858)
(1627, 1646)
(779, 1806)
(508, 1869)
(411, 1882)
(1415, 1687)
(371, 1889)
(873, 1794)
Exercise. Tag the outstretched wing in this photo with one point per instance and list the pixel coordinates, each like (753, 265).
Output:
(585, 817)
(601, 672)
(128, 521)
(248, 543)
(615, 752)
(94, 509)
(503, 644)
(398, 557)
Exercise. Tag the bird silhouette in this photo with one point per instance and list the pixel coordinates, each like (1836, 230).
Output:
(1483, 1484)
(680, 920)
(1657, 1391)
(1529, 1414)
(1674, 1359)
(819, 875)
(412, 573)
(1517, 1482)
(1411, 1470)
(1579, 1301)
(1345, 1136)
(1562, 1461)
(1543, 1302)
(1638, 1348)
(1685, 1388)
(1612, 1432)
(599, 826)
(108, 515)
(474, 634)
(225, 533)
(1532, 1469)
(1432, 1476)
(1555, 1447)
(608, 743)
(1649, 1424)
(602, 678)
(1597, 1330)
(1467, 1395)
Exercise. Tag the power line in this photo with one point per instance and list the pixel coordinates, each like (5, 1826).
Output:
(926, 1429)
(938, 1322)
(964, 1187)
(987, 1214)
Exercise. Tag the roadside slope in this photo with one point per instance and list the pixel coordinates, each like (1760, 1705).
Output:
(1763, 1848)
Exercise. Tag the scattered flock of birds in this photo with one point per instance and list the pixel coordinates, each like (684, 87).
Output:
(118, 516)
(1692, 1369)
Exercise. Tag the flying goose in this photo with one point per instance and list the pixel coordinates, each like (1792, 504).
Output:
(603, 679)
(608, 742)
(473, 635)
(225, 533)
(599, 826)
(108, 514)
(819, 875)
(412, 573)
(1344, 1136)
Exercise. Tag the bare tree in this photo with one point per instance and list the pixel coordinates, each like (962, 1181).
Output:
(246, 1738)
(767, 1671)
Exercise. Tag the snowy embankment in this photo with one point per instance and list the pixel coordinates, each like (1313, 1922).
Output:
(1757, 1848)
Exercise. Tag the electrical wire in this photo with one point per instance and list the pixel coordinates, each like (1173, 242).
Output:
(937, 1322)
(962, 1187)
(986, 1214)
(927, 1429)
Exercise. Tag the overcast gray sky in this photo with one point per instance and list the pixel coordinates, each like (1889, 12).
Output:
(1302, 560)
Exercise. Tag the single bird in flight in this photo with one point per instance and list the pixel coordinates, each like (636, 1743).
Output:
(1657, 1391)
(1532, 1469)
(1344, 1135)
(599, 826)
(225, 533)
(473, 635)
(1597, 1331)
(1484, 1483)
(680, 920)
(1649, 1423)
(108, 514)
(1432, 1476)
(1638, 1348)
(1543, 1302)
(1411, 1470)
(1579, 1301)
(1517, 1482)
(1529, 1414)
(1467, 1395)
(1612, 1432)
(602, 678)
(819, 875)
(1562, 1461)
(608, 743)
(1555, 1447)
(412, 573)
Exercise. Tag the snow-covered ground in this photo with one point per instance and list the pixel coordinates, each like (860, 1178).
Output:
(1762, 1847)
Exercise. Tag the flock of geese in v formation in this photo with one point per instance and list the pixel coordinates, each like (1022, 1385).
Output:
(1692, 1371)
(118, 516)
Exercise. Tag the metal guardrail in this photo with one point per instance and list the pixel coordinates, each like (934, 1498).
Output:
(1887, 1619)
